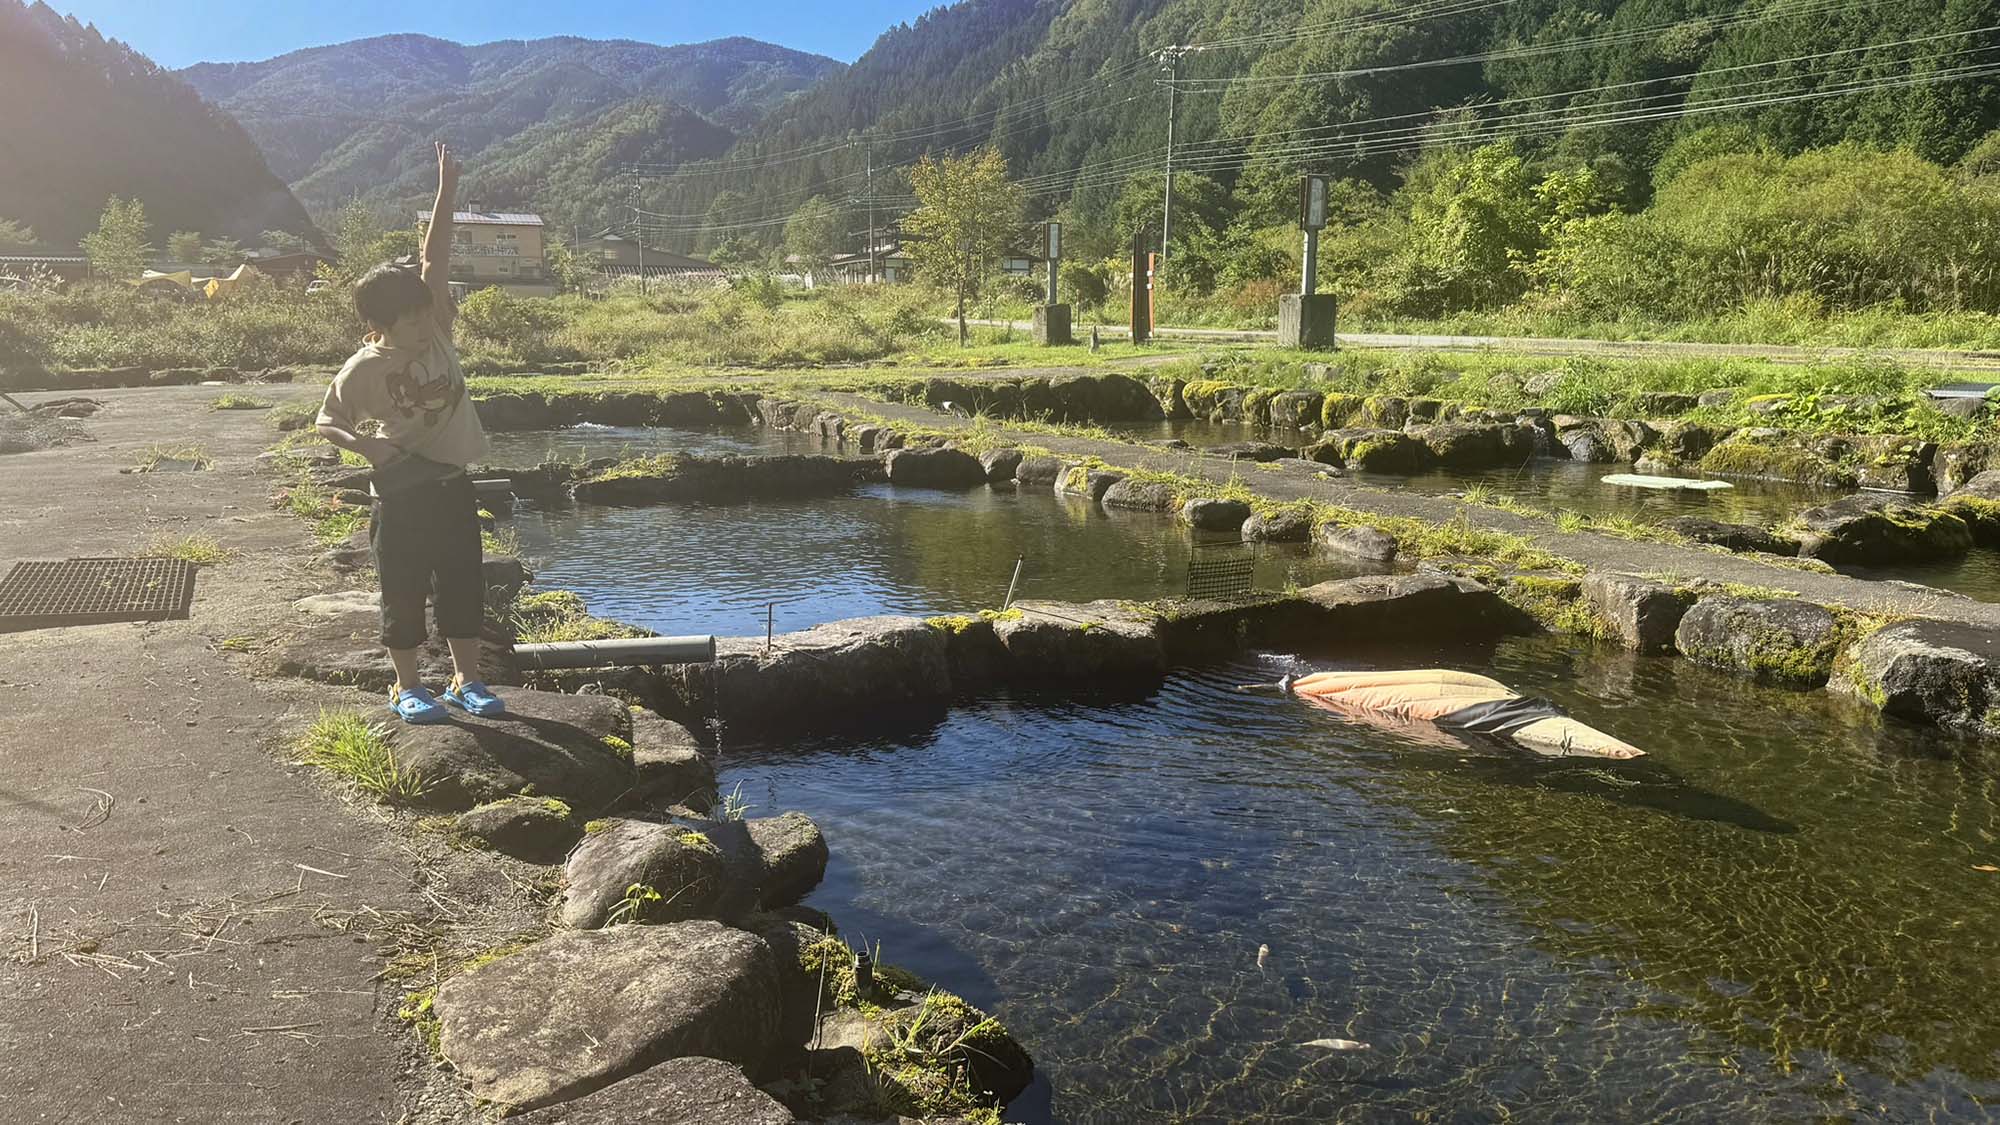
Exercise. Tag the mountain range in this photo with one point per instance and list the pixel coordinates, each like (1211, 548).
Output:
(729, 137)
(355, 120)
(1072, 94)
(88, 118)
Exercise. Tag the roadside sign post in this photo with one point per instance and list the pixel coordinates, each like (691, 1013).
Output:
(1306, 318)
(1052, 318)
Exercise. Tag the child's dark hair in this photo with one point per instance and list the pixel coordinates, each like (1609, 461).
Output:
(389, 292)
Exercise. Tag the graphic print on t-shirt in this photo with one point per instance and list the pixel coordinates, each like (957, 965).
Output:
(413, 389)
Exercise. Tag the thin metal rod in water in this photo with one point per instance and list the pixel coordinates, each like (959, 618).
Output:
(618, 652)
(1013, 582)
(770, 619)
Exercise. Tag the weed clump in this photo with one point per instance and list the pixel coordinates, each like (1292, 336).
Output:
(555, 616)
(161, 458)
(343, 743)
(233, 401)
(201, 550)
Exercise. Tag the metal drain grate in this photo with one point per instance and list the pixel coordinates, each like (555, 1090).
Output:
(40, 595)
(1221, 574)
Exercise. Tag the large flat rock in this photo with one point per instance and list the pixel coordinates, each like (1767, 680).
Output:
(1778, 640)
(791, 858)
(677, 1092)
(1427, 604)
(1643, 613)
(1936, 672)
(822, 677)
(672, 766)
(1874, 529)
(941, 467)
(585, 1008)
(572, 747)
(683, 866)
(1075, 643)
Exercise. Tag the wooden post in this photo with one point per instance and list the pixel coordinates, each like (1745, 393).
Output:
(1142, 289)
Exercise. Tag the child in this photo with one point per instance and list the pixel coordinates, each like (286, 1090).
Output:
(425, 526)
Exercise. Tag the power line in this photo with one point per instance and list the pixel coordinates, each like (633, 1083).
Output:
(1410, 140)
(1263, 146)
(1602, 39)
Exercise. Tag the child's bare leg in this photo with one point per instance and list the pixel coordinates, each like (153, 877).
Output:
(407, 676)
(465, 654)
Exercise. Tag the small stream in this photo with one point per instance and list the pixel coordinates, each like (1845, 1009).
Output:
(1775, 917)
(1779, 915)
(1546, 484)
(694, 568)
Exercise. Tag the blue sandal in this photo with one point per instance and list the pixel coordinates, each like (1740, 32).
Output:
(418, 707)
(474, 699)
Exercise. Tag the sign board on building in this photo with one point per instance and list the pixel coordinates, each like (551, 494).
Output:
(1312, 203)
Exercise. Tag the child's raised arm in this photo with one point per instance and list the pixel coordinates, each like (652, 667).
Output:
(437, 240)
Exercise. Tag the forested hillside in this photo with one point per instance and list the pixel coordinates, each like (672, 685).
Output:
(87, 118)
(355, 120)
(1072, 95)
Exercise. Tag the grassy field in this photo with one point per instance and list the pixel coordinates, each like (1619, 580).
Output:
(1791, 323)
(98, 326)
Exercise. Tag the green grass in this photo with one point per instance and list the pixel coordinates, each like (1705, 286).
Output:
(1606, 386)
(333, 522)
(734, 805)
(503, 541)
(296, 417)
(342, 743)
(233, 401)
(201, 550)
(559, 615)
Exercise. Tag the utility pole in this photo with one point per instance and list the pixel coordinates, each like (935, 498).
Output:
(1170, 60)
(872, 278)
(639, 233)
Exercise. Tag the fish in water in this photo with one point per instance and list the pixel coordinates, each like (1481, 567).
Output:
(1263, 955)
(1337, 1045)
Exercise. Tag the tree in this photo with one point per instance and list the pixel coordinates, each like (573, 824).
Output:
(569, 274)
(360, 244)
(184, 246)
(1200, 206)
(815, 233)
(118, 249)
(222, 252)
(968, 212)
(283, 241)
(737, 253)
(16, 236)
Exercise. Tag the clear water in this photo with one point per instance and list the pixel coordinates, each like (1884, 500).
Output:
(1543, 483)
(583, 443)
(1975, 574)
(1775, 917)
(691, 568)
(1579, 487)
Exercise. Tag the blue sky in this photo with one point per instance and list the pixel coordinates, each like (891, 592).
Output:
(180, 32)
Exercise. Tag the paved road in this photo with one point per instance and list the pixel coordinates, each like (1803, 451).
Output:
(1941, 359)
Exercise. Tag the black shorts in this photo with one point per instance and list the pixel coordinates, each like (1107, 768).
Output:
(426, 541)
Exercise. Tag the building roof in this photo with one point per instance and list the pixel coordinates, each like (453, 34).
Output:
(491, 218)
(41, 258)
(614, 269)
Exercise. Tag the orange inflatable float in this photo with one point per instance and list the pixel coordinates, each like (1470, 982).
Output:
(1459, 701)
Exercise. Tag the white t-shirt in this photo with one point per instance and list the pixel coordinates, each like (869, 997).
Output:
(417, 392)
